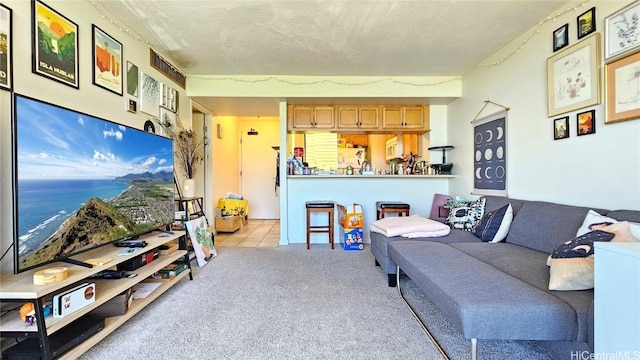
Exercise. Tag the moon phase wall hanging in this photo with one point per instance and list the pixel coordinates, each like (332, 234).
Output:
(490, 154)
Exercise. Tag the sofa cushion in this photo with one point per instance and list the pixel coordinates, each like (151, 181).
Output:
(480, 299)
(465, 217)
(494, 225)
(496, 202)
(530, 266)
(542, 225)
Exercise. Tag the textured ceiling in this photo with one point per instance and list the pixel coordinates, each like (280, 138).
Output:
(327, 37)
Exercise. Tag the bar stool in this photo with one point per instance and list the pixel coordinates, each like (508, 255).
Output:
(385, 207)
(315, 207)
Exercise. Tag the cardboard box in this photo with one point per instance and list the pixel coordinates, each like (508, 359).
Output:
(227, 223)
(352, 239)
(351, 217)
(115, 307)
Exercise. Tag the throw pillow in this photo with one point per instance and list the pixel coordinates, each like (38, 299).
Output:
(595, 218)
(465, 217)
(494, 225)
(572, 262)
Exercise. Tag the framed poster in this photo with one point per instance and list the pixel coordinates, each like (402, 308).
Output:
(586, 122)
(149, 94)
(490, 155)
(561, 37)
(6, 67)
(201, 240)
(573, 80)
(167, 121)
(622, 84)
(107, 61)
(561, 128)
(132, 79)
(586, 23)
(55, 45)
(621, 31)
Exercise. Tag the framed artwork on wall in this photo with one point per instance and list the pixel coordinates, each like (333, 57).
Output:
(132, 79)
(107, 61)
(561, 37)
(561, 128)
(167, 120)
(6, 66)
(586, 122)
(621, 31)
(622, 84)
(586, 23)
(55, 45)
(149, 94)
(573, 80)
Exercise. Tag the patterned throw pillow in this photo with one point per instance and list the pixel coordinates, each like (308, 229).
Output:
(572, 262)
(465, 217)
(494, 225)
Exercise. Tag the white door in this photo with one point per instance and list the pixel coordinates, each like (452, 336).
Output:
(258, 167)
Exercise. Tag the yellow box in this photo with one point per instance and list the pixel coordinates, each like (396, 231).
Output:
(351, 217)
(233, 207)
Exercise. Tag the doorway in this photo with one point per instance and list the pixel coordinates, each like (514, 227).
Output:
(258, 166)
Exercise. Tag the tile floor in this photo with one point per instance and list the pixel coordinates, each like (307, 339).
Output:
(257, 233)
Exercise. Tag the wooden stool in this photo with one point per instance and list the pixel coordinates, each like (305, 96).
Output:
(320, 206)
(384, 207)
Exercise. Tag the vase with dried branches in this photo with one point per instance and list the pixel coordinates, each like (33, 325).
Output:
(188, 148)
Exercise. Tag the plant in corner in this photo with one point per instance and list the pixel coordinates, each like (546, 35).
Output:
(188, 149)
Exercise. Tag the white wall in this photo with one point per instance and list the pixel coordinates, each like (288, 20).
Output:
(89, 98)
(599, 170)
(226, 157)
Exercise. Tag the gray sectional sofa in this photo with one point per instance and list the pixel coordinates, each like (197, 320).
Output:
(500, 291)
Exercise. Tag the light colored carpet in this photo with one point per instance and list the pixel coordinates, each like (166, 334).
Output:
(292, 303)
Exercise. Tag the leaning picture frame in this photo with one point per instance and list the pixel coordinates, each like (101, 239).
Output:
(6, 41)
(561, 37)
(573, 77)
(55, 52)
(621, 31)
(622, 84)
(107, 61)
(586, 23)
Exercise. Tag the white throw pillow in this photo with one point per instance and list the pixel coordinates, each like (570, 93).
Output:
(595, 218)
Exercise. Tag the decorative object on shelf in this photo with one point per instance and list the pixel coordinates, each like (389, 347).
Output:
(573, 80)
(55, 52)
(586, 23)
(586, 122)
(622, 31)
(188, 148)
(561, 128)
(107, 61)
(621, 87)
(201, 240)
(561, 37)
(6, 51)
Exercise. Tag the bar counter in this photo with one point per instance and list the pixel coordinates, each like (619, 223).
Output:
(416, 190)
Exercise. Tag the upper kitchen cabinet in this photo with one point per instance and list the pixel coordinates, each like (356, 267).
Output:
(413, 118)
(310, 117)
(358, 117)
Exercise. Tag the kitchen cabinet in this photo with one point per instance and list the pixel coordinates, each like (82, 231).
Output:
(413, 118)
(360, 140)
(411, 144)
(309, 117)
(358, 117)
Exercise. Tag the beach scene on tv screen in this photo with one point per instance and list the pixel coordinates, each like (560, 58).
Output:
(84, 182)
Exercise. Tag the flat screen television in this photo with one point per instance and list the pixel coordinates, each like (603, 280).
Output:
(80, 182)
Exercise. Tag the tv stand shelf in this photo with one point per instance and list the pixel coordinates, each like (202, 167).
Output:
(20, 289)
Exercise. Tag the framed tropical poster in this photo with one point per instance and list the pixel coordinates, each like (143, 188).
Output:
(55, 45)
(107, 61)
(6, 79)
